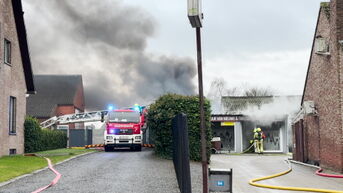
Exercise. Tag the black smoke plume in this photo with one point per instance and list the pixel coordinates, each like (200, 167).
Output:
(105, 41)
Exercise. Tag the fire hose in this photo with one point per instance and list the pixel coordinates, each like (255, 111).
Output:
(253, 183)
(252, 145)
(319, 170)
(319, 173)
(54, 181)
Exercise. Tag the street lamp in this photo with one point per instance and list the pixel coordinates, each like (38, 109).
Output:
(195, 16)
(195, 13)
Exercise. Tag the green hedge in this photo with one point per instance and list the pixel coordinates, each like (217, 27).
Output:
(37, 139)
(160, 117)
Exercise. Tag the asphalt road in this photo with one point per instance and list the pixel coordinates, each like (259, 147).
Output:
(142, 172)
(113, 172)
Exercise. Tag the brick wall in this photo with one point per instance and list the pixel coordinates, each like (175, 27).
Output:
(79, 99)
(65, 109)
(79, 103)
(12, 83)
(323, 134)
(340, 48)
(312, 140)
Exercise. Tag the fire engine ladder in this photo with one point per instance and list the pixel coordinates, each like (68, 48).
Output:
(74, 118)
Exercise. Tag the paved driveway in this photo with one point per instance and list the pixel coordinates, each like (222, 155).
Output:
(112, 172)
(246, 167)
(142, 172)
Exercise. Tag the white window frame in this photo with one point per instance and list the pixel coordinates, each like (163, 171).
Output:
(7, 51)
(12, 116)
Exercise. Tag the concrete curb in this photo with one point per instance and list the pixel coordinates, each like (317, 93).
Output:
(304, 164)
(319, 170)
(40, 170)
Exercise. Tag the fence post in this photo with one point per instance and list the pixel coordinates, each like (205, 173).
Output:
(181, 153)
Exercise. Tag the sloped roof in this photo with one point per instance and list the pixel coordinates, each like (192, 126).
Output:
(52, 90)
(24, 50)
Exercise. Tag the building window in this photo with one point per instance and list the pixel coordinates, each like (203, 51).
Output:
(12, 115)
(7, 51)
(13, 151)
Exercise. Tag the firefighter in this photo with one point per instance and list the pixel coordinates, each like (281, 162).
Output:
(255, 141)
(258, 138)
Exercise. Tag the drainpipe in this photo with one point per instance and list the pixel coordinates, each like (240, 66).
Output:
(319, 138)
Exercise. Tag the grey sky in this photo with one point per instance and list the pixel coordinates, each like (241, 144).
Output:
(263, 43)
(234, 26)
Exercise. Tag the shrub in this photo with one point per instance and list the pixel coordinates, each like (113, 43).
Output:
(38, 139)
(160, 118)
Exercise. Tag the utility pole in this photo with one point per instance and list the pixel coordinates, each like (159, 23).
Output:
(202, 115)
(195, 16)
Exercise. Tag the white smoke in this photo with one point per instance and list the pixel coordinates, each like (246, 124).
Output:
(280, 108)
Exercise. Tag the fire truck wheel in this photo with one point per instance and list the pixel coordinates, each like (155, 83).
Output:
(139, 148)
(107, 148)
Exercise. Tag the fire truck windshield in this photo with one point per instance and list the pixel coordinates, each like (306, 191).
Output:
(124, 117)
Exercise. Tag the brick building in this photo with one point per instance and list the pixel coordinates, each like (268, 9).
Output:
(16, 80)
(318, 133)
(57, 95)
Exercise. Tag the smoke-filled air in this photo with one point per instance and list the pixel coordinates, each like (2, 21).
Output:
(105, 41)
(276, 109)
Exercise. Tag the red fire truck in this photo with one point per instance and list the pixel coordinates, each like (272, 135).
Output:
(123, 129)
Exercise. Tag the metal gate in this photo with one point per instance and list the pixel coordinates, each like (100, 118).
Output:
(89, 136)
(299, 141)
(80, 137)
(181, 153)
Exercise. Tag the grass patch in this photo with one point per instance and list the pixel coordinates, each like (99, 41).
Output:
(13, 166)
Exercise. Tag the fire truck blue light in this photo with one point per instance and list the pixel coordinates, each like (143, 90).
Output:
(110, 107)
(137, 109)
(112, 131)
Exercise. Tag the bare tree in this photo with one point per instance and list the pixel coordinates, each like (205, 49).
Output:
(218, 87)
(217, 91)
(258, 91)
(234, 99)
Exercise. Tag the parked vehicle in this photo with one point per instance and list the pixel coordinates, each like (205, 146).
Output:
(123, 129)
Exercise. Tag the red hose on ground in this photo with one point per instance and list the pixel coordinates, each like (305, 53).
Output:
(53, 182)
(318, 172)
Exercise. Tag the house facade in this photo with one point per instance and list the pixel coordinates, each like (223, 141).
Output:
(240, 115)
(16, 80)
(318, 134)
(57, 95)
